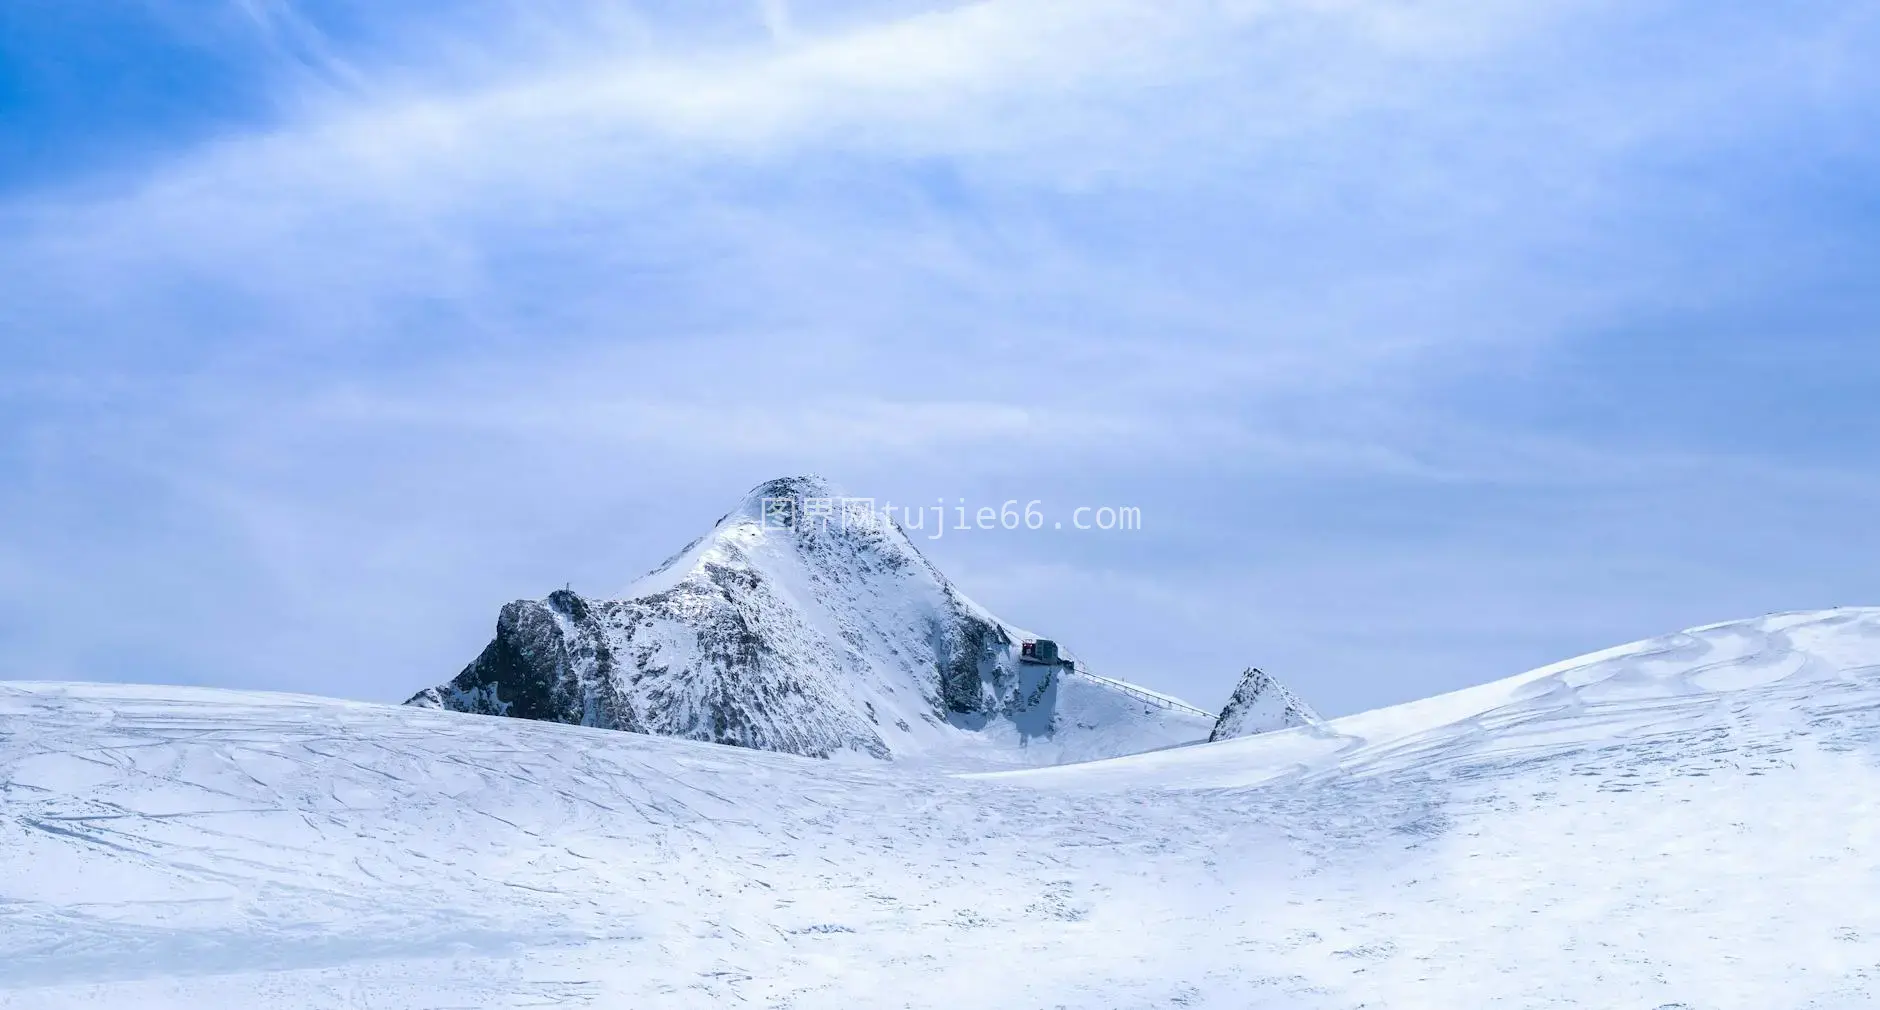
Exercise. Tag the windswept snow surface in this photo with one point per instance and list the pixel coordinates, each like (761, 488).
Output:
(1691, 822)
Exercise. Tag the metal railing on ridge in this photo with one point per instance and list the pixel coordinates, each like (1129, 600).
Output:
(1078, 667)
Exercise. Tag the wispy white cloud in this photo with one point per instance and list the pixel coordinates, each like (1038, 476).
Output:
(492, 278)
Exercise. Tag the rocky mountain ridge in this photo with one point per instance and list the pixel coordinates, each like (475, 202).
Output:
(792, 629)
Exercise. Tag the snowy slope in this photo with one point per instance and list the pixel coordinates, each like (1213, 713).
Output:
(1747, 670)
(808, 634)
(1692, 822)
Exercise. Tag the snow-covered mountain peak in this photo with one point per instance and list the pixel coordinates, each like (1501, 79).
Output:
(806, 622)
(798, 489)
(806, 516)
(1261, 704)
(806, 503)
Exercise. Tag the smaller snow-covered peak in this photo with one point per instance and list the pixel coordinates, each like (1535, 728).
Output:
(1261, 704)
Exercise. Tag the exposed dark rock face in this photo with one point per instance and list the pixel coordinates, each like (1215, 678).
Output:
(973, 677)
(549, 661)
(1261, 704)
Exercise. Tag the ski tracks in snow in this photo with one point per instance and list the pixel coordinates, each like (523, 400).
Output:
(1687, 822)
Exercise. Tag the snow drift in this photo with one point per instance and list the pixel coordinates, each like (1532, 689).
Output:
(1689, 822)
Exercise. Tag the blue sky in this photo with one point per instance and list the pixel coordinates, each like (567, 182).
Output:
(1435, 341)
